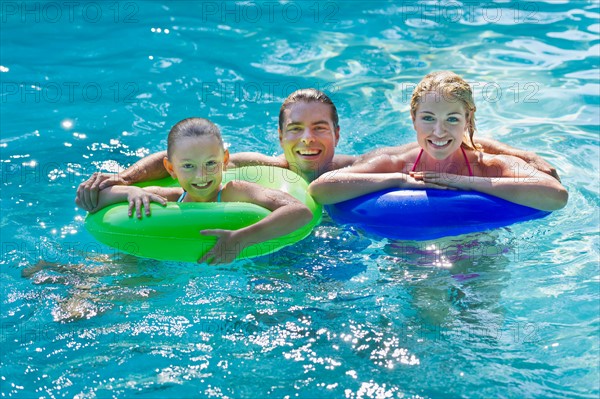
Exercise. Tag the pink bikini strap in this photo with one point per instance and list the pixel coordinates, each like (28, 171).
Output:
(467, 161)
(464, 155)
(417, 161)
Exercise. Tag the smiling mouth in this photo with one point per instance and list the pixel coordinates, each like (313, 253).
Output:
(201, 186)
(439, 143)
(306, 153)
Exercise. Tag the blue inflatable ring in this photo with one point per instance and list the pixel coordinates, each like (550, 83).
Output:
(429, 214)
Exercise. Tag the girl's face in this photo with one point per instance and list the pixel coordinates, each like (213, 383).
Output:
(198, 164)
(440, 122)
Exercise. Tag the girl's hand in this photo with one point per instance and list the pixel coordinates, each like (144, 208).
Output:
(228, 247)
(138, 197)
(87, 192)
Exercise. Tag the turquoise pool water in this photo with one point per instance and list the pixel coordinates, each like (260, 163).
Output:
(512, 313)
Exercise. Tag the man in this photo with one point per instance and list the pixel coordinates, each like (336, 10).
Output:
(308, 134)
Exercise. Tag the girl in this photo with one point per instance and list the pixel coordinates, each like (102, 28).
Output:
(443, 114)
(196, 158)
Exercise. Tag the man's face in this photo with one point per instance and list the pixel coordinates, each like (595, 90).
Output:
(309, 138)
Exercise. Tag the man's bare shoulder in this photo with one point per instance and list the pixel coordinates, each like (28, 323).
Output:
(395, 151)
(240, 159)
(404, 153)
(342, 161)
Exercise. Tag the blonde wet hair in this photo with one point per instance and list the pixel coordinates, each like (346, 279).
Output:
(451, 87)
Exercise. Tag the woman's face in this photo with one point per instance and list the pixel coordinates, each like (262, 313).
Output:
(440, 122)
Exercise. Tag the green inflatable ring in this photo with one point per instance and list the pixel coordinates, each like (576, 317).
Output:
(172, 232)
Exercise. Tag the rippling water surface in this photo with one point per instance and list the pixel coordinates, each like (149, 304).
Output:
(508, 313)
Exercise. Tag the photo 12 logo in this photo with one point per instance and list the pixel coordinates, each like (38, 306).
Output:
(227, 93)
(444, 11)
(69, 11)
(62, 252)
(68, 92)
(489, 92)
(269, 11)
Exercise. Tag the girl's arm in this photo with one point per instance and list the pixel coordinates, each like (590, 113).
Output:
(287, 214)
(507, 181)
(147, 168)
(379, 173)
(135, 196)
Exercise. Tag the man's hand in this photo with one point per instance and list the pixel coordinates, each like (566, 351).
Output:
(87, 192)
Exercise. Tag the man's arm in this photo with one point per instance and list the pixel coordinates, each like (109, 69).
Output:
(147, 168)
(401, 149)
(240, 159)
(497, 148)
(343, 161)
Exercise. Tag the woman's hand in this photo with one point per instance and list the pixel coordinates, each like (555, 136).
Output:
(416, 181)
(228, 246)
(543, 166)
(138, 197)
(441, 180)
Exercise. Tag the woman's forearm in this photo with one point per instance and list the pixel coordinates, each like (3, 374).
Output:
(542, 194)
(338, 186)
(495, 147)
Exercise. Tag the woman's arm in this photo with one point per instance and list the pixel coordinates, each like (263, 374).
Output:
(287, 215)
(506, 180)
(376, 174)
(495, 147)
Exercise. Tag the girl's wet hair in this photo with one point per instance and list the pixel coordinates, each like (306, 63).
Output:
(308, 96)
(451, 87)
(192, 127)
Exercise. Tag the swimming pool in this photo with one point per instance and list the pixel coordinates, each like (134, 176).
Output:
(509, 313)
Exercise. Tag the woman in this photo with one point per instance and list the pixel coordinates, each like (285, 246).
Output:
(443, 114)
